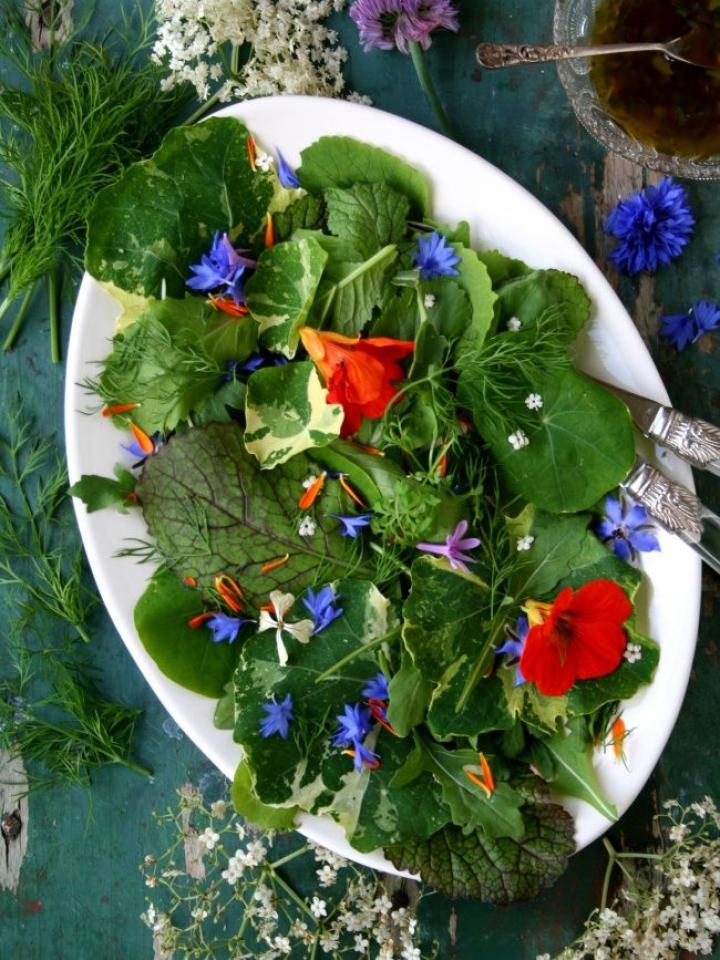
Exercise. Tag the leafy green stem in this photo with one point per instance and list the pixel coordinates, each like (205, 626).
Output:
(481, 663)
(358, 651)
(294, 896)
(19, 318)
(4, 270)
(54, 315)
(428, 87)
(289, 857)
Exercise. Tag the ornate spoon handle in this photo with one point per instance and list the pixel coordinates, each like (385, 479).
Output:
(692, 439)
(493, 55)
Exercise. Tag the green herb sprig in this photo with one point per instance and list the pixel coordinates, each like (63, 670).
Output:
(72, 117)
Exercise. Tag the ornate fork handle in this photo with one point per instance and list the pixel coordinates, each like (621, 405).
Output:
(494, 55)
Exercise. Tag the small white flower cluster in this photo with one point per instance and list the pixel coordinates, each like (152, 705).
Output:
(291, 50)
(673, 906)
(633, 652)
(252, 856)
(514, 324)
(518, 440)
(524, 543)
(307, 527)
(534, 401)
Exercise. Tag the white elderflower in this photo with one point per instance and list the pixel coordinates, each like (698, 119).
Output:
(199, 913)
(633, 652)
(514, 324)
(678, 832)
(534, 401)
(264, 162)
(209, 837)
(329, 941)
(307, 527)
(518, 440)
(218, 808)
(282, 944)
(524, 543)
(326, 875)
(318, 908)
(429, 301)
(360, 944)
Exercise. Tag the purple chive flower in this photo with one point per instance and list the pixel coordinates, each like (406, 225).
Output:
(426, 16)
(684, 328)
(515, 644)
(226, 628)
(453, 548)
(381, 23)
(435, 257)
(321, 607)
(223, 267)
(626, 529)
(285, 173)
(653, 227)
(278, 717)
(377, 688)
(352, 525)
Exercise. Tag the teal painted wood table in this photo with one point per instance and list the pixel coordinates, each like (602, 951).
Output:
(80, 893)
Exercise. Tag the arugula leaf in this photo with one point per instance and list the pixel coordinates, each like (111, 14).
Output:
(485, 710)
(587, 696)
(374, 477)
(475, 281)
(99, 492)
(159, 217)
(290, 772)
(497, 815)
(365, 218)
(343, 162)
(350, 291)
(444, 618)
(287, 411)
(582, 447)
(306, 213)
(187, 656)
(575, 776)
(211, 510)
(281, 291)
(499, 870)
(250, 808)
(409, 697)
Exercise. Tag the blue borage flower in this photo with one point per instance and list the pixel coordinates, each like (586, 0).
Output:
(684, 328)
(435, 257)
(514, 646)
(278, 719)
(226, 628)
(254, 362)
(221, 268)
(653, 227)
(626, 530)
(285, 173)
(352, 525)
(377, 688)
(321, 607)
(354, 726)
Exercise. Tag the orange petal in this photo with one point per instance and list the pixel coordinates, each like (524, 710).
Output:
(313, 492)
(252, 153)
(143, 440)
(274, 564)
(230, 592)
(200, 619)
(487, 773)
(190, 581)
(618, 734)
(228, 305)
(350, 492)
(269, 232)
(478, 782)
(116, 408)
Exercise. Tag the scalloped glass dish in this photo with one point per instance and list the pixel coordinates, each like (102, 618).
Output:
(503, 215)
(573, 25)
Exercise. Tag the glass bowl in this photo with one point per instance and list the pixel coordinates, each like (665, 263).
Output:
(573, 25)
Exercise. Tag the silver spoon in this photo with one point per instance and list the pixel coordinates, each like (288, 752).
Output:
(687, 49)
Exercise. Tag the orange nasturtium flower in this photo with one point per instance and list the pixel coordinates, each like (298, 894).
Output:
(360, 375)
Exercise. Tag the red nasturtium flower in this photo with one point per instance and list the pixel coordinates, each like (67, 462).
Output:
(578, 636)
(360, 375)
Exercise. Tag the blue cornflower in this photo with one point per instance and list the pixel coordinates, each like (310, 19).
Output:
(223, 267)
(435, 257)
(321, 607)
(225, 627)
(653, 227)
(285, 173)
(351, 526)
(354, 725)
(377, 688)
(254, 362)
(278, 717)
(515, 644)
(626, 530)
(684, 328)
(363, 757)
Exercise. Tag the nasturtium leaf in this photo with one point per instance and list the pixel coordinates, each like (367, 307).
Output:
(160, 216)
(528, 297)
(211, 510)
(485, 710)
(409, 697)
(587, 696)
(343, 162)
(499, 870)
(187, 656)
(581, 448)
(475, 281)
(290, 772)
(281, 292)
(366, 217)
(350, 291)
(99, 492)
(445, 618)
(304, 214)
(497, 814)
(571, 751)
(224, 716)
(391, 814)
(250, 808)
(286, 412)
(452, 313)
(501, 267)
(532, 707)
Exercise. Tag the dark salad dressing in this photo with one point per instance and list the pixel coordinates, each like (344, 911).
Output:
(665, 104)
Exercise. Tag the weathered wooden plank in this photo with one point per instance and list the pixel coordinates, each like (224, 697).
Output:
(14, 819)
